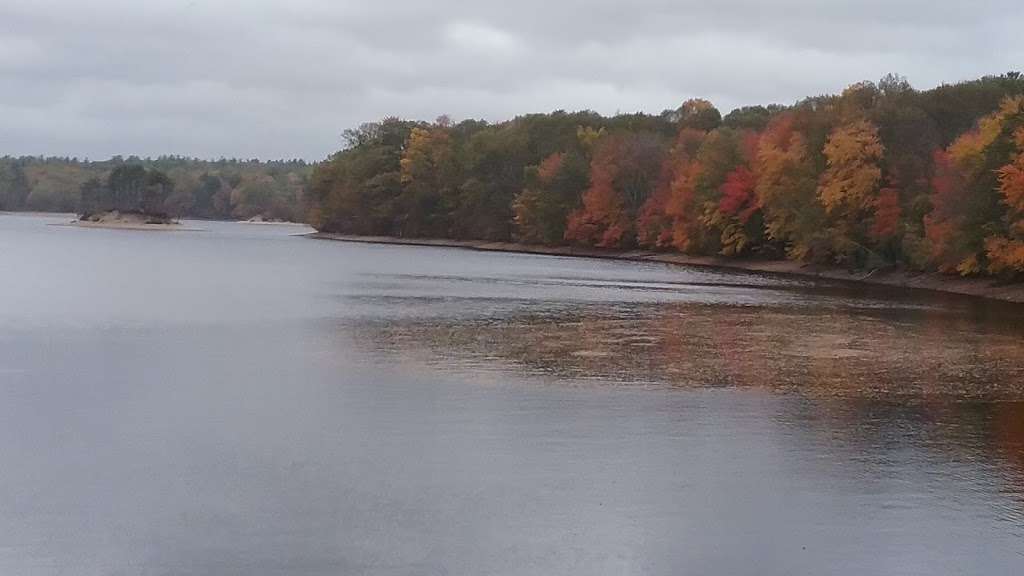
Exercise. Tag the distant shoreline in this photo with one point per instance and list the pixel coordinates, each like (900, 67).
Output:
(978, 287)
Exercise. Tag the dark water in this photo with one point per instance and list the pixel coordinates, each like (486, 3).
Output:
(240, 401)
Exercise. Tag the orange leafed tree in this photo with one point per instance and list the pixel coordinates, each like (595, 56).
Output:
(1011, 179)
(604, 220)
(669, 216)
(1006, 253)
(680, 207)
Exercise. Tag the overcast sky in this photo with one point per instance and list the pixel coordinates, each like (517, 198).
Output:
(255, 78)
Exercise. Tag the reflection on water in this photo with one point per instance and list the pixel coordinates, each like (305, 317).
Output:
(790, 339)
(241, 401)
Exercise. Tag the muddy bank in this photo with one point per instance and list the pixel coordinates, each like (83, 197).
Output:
(980, 287)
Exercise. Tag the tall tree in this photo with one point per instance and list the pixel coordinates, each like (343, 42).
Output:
(786, 187)
(849, 185)
(848, 189)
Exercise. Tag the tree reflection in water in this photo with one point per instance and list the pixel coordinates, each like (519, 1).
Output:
(865, 379)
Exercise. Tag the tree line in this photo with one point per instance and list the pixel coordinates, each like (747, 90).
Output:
(880, 175)
(169, 185)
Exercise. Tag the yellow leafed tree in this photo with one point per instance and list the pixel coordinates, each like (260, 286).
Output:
(850, 183)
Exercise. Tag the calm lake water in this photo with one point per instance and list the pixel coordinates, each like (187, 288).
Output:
(243, 401)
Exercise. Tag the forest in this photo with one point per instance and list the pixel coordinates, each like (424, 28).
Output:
(882, 175)
(210, 189)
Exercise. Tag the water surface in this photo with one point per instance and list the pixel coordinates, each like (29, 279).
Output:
(245, 401)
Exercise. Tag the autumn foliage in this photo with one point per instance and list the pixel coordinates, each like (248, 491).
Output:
(623, 172)
(739, 195)
(668, 217)
(849, 185)
(604, 220)
(887, 215)
(537, 219)
(881, 175)
(1006, 252)
(786, 187)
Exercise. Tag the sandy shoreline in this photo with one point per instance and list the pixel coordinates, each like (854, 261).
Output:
(979, 287)
(267, 223)
(129, 226)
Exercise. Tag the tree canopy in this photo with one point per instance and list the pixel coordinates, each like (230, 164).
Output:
(879, 175)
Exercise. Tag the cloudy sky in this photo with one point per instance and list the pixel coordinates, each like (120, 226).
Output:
(255, 78)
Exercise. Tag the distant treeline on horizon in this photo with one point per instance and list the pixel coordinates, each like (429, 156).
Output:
(881, 175)
(216, 189)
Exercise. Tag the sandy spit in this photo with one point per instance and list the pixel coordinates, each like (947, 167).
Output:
(173, 227)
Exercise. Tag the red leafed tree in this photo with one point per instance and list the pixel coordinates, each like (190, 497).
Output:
(888, 214)
(739, 194)
(731, 213)
(949, 193)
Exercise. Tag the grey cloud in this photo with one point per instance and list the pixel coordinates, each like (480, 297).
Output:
(283, 79)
